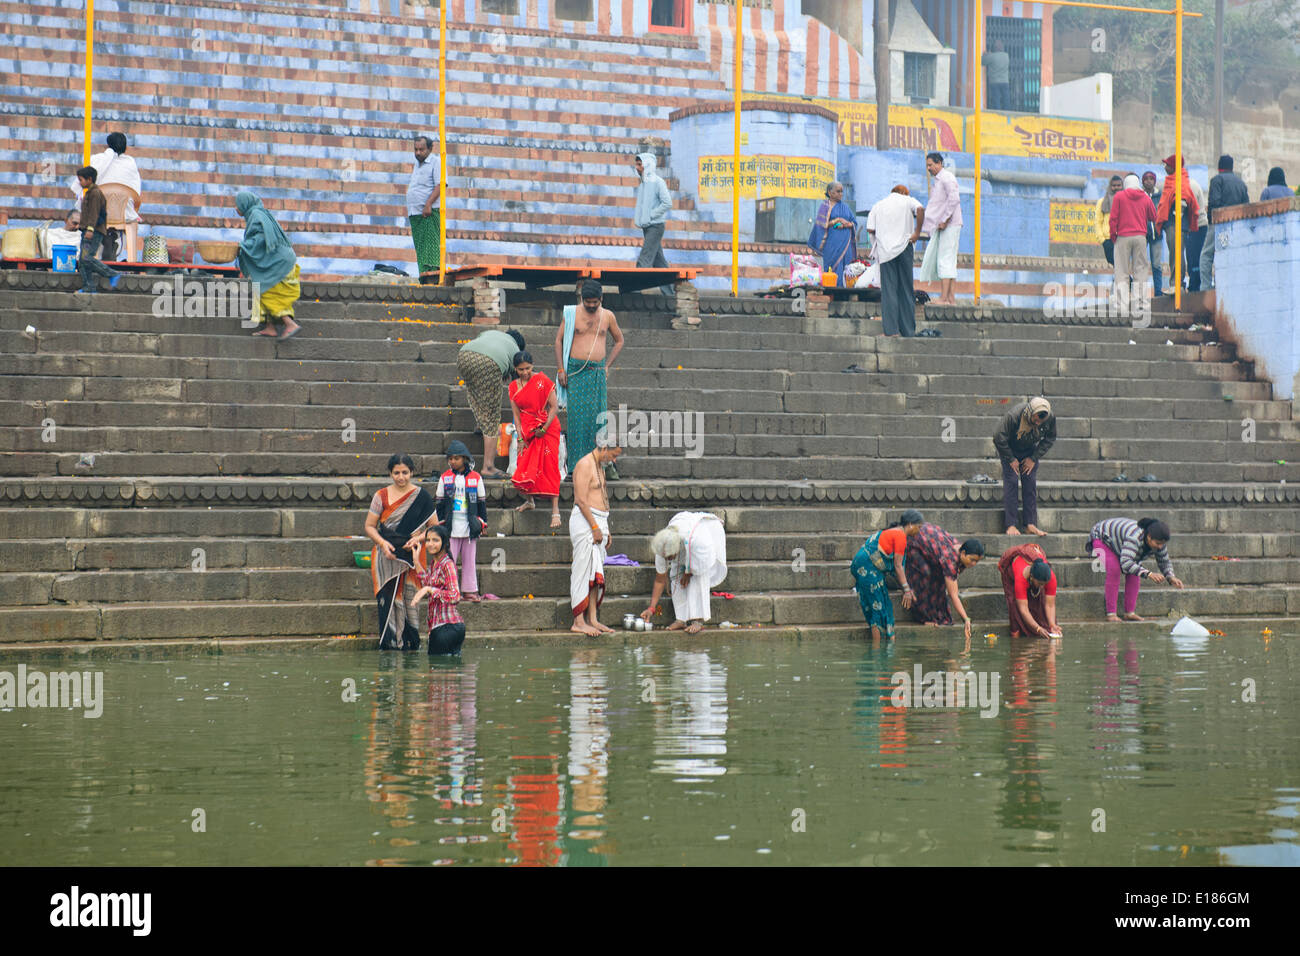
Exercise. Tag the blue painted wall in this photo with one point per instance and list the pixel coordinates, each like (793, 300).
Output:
(1257, 254)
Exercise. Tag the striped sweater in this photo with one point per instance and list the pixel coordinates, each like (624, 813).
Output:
(1128, 541)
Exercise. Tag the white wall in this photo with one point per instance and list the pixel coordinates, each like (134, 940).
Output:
(1086, 98)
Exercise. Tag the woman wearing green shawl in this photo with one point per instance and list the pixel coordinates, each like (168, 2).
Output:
(265, 257)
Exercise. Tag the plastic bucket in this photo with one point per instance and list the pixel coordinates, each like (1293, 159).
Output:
(64, 258)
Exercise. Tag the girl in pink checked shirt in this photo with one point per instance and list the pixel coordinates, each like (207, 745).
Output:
(437, 572)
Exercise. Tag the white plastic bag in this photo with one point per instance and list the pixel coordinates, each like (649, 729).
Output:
(1186, 627)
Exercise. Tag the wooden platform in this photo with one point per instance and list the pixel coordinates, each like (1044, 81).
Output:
(147, 268)
(546, 277)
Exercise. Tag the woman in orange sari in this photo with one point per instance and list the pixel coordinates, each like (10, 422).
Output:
(536, 408)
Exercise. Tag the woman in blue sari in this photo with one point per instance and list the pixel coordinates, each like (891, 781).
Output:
(834, 235)
(884, 551)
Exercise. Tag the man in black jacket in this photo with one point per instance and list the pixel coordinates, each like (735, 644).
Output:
(1022, 439)
(1226, 189)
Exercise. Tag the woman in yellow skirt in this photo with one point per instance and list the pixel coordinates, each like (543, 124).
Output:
(267, 258)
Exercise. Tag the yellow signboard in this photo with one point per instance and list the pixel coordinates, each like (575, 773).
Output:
(1073, 222)
(802, 177)
(951, 130)
(1049, 137)
(909, 127)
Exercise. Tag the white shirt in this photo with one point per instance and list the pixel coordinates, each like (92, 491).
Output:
(114, 168)
(894, 220)
(459, 509)
(426, 181)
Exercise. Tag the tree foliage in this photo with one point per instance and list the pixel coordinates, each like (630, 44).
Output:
(1138, 50)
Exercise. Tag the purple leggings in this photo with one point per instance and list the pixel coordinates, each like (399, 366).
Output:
(1132, 583)
(463, 552)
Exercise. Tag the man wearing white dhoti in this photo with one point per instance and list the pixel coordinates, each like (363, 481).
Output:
(589, 535)
(691, 558)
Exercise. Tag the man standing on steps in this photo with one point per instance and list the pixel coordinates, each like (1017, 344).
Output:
(1023, 437)
(589, 536)
(653, 204)
(894, 224)
(1226, 189)
(943, 225)
(583, 371)
(423, 208)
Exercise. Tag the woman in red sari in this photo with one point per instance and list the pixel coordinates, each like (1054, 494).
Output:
(537, 423)
(1030, 587)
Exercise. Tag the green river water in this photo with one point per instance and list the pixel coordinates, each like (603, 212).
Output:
(1123, 747)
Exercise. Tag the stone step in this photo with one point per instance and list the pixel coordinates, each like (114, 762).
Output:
(802, 524)
(684, 435)
(84, 414)
(870, 353)
(781, 332)
(285, 396)
(244, 618)
(177, 551)
(638, 467)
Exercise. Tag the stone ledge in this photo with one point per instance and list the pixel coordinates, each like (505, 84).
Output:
(1256, 210)
(353, 492)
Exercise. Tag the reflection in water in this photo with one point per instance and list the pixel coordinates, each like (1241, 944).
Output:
(588, 750)
(422, 741)
(1117, 703)
(1030, 707)
(562, 755)
(691, 731)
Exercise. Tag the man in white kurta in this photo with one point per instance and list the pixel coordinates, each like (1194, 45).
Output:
(691, 559)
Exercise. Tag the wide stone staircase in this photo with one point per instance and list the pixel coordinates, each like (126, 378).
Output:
(313, 107)
(166, 477)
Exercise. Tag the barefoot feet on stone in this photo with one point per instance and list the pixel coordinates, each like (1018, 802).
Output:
(528, 505)
(1034, 529)
(555, 519)
(582, 627)
(695, 627)
(1113, 618)
(1134, 617)
(677, 626)
(1013, 530)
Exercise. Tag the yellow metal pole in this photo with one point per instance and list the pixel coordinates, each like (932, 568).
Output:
(735, 165)
(90, 71)
(442, 142)
(1178, 158)
(979, 153)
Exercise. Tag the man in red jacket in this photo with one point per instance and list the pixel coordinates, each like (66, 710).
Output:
(1165, 214)
(1130, 211)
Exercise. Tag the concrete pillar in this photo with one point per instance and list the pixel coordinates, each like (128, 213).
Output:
(688, 306)
(489, 302)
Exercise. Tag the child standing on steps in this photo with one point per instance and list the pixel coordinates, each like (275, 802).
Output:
(462, 508)
(94, 219)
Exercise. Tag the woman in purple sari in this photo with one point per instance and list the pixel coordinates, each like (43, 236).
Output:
(834, 232)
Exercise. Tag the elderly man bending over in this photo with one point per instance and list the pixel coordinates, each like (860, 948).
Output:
(690, 555)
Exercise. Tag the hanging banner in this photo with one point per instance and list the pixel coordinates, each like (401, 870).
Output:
(801, 177)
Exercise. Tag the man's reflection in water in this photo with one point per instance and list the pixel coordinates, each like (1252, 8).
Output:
(691, 732)
(588, 754)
